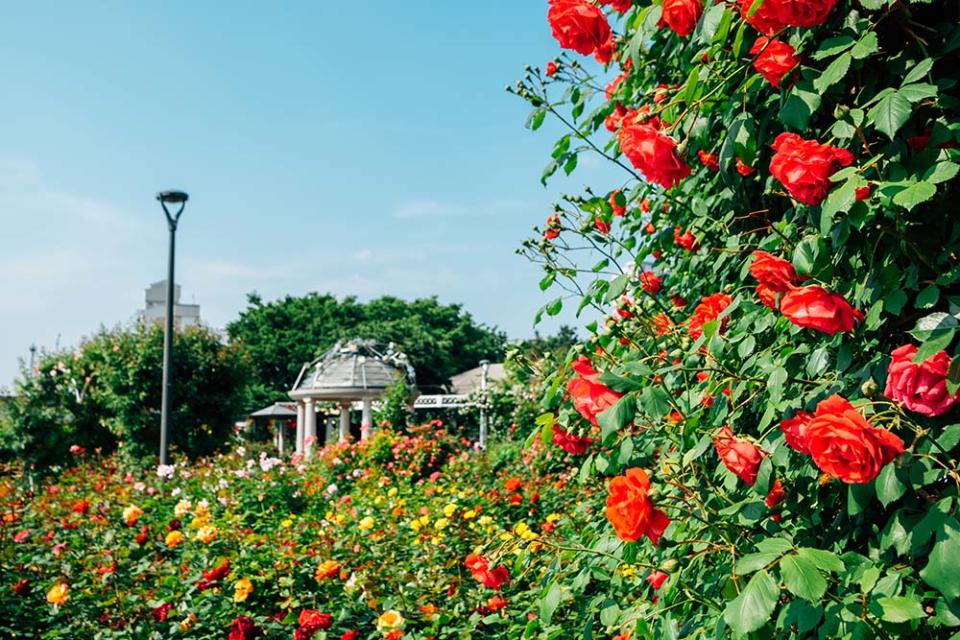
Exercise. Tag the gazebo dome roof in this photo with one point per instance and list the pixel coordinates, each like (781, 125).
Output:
(352, 370)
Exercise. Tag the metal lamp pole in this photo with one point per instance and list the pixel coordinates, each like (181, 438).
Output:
(169, 198)
(484, 366)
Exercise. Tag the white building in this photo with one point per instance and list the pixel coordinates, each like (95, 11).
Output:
(184, 315)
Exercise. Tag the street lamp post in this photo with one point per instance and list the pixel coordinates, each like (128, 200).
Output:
(169, 198)
(484, 367)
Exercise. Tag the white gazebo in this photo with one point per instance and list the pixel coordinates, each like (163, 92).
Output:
(350, 372)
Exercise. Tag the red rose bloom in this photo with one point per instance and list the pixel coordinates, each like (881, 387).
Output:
(630, 510)
(617, 209)
(862, 193)
(653, 153)
(553, 227)
(804, 167)
(601, 225)
(768, 296)
(551, 70)
(350, 635)
(656, 579)
(622, 6)
(161, 612)
(576, 445)
(773, 272)
(775, 59)
(743, 168)
(590, 396)
(243, 628)
(802, 13)
(844, 445)
(614, 84)
(816, 308)
(709, 160)
(681, 15)
(708, 309)
(496, 603)
(919, 387)
(738, 455)
(480, 570)
(775, 496)
(581, 26)
(685, 240)
(310, 622)
(794, 429)
(764, 19)
(650, 282)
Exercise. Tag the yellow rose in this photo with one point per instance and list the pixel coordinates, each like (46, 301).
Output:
(242, 589)
(449, 510)
(415, 525)
(441, 524)
(390, 620)
(327, 569)
(392, 492)
(366, 524)
(173, 538)
(207, 534)
(58, 594)
(182, 508)
(131, 514)
(470, 514)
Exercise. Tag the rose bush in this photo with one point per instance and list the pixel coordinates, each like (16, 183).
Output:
(785, 396)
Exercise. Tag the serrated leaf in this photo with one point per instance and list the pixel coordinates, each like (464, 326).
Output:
(832, 46)
(753, 607)
(833, 73)
(915, 194)
(919, 70)
(756, 561)
(865, 46)
(616, 417)
(900, 609)
(888, 485)
(801, 103)
(919, 91)
(890, 113)
(825, 560)
(802, 578)
(941, 172)
(941, 571)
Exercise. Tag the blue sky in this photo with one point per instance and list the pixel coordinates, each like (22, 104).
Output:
(360, 150)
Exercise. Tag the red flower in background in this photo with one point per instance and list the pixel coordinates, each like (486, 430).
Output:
(656, 579)
(652, 152)
(764, 19)
(630, 510)
(685, 240)
(350, 635)
(794, 429)
(804, 167)
(479, 568)
(311, 621)
(844, 445)
(802, 13)
(650, 282)
(743, 168)
(590, 396)
(920, 387)
(622, 6)
(211, 576)
(862, 193)
(813, 307)
(709, 160)
(709, 308)
(496, 603)
(775, 496)
(773, 272)
(775, 59)
(617, 209)
(738, 455)
(581, 26)
(552, 69)
(553, 227)
(681, 15)
(243, 628)
(575, 445)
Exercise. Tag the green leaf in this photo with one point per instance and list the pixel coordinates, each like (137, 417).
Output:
(832, 46)
(919, 70)
(932, 346)
(818, 361)
(928, 297)
(553, 308)
(919, 91)
(825, 560)
(915, 194)
(550, 602)
(934, 324)
(888, 486)
(801, 103)
(890, 113)
(616, 417)
(900, 609)
(802, 578)
(953, 378)
(655, 402)
(941, 172)
(778, 377)
(865, 46)
(753, 607)
(617, 287)
(941, 571)
(833, 73)
(806, 254)
(756, 561)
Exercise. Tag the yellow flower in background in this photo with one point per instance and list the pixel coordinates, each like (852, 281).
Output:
(449, 510)
(627, 570)
(553, 517)
(470, 514)
(173, 539)
(327, 569)
(242, 589)
(392, 492)
(485, 520)
(200, 521)
(340, 519)
(58, 594)
(207, 534)
(441, 524)
(523, 530)
(287, 523)
(131, 514)
(390, 619)
(183, 508)
(366, 524)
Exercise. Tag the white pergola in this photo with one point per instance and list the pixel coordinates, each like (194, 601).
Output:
(350, 372)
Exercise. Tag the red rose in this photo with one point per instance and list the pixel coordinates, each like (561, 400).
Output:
(581, 26)
(553, 227)
(590, 396)
(656, 579)
(350, 635)
(686, 240)
(768, 296)
(243, 628)
(601, 225)
(764, 19)
(775, 496)
(738, 455)
(774, 273)
(804, 167)
(551, 70)
(614, 84)
(21, 587)
(161, 612)
(496, 603)
(844, 445)
(743, 169)
(816, 308)
(617, 209)
(681, 15)
(862, 193)
(919, 387)
(775, 59)
(652, 152)
(650, 282)
(622, 6)
(480, 570)
(311, 621)
(576, 445)
(794, 429)
(708, 309)
(630, 510)
(802, 13)
(709, 160)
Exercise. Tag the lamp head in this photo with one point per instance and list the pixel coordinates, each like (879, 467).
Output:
(172, 197)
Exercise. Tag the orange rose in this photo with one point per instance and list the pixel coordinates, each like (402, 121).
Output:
(630, 510)
(844, 445)
(709, 308)
(590, 396)
(738, 455)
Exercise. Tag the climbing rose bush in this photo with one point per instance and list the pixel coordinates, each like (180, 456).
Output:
(770, 282)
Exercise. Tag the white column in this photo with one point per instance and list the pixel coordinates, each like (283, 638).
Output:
(484, 366)
(301, 417)
(366, 421)
(281, 431)
(310, 432)
(327, 430)
(344, 421)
